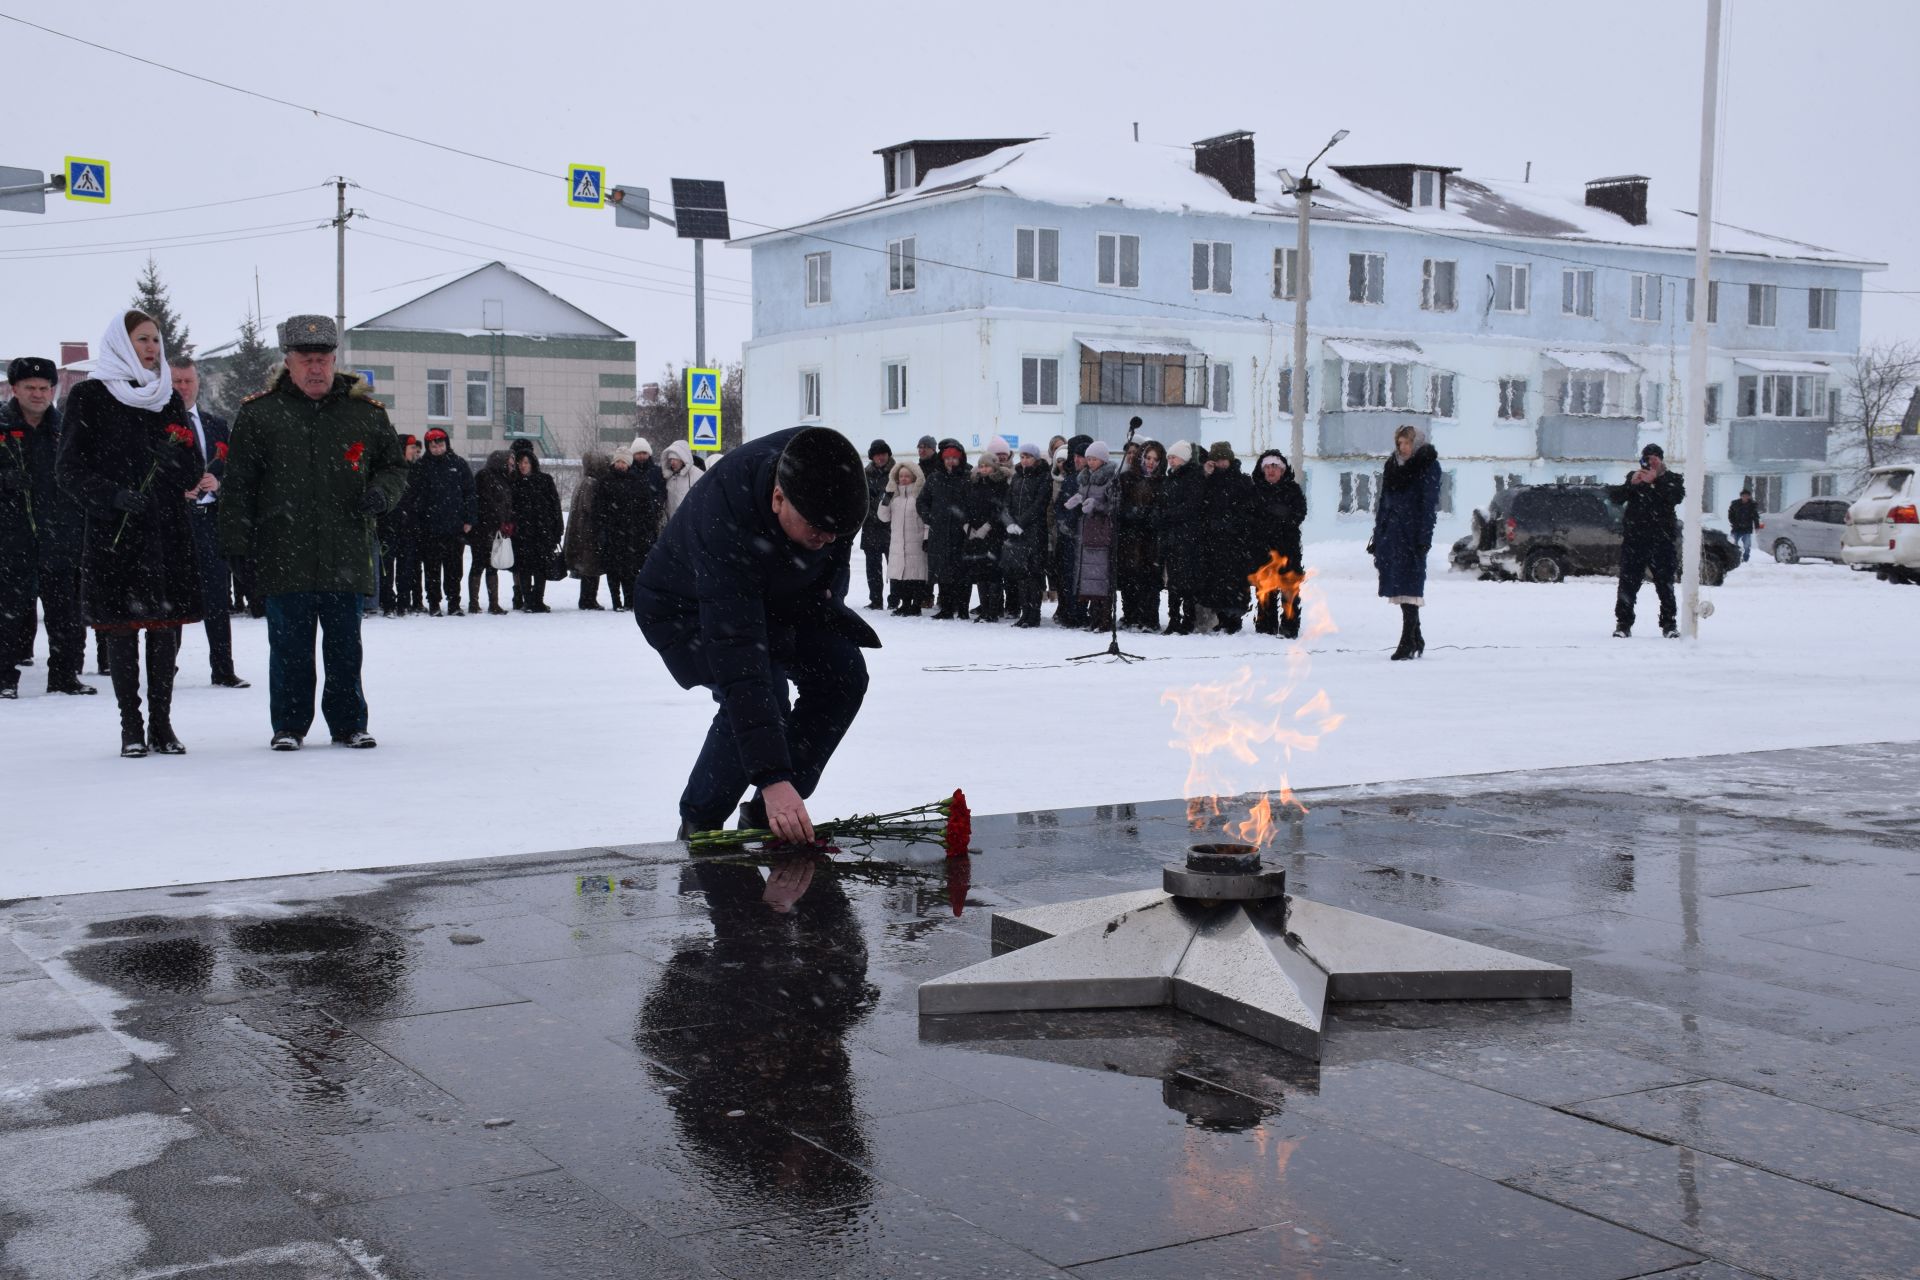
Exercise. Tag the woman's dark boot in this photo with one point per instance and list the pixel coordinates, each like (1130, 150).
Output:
(122, 652)
(163, 647)
(1411, 645)
(1290, 618)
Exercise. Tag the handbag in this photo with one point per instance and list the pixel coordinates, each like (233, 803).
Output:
(501, 556)
(557, 567)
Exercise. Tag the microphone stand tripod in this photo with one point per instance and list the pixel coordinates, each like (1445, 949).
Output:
(1113, 649)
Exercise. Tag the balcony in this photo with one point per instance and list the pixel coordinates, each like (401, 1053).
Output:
(1365, 433)
(1777, 440)
(1576, 437)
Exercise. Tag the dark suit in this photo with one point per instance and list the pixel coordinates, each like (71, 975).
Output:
(216, 592)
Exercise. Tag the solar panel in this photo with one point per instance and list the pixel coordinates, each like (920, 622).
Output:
(700, 209)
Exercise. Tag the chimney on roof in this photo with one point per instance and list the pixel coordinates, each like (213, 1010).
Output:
(1625, 195)
(906, 163)
(1228, 160)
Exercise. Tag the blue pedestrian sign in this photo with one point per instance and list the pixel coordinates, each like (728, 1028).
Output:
(705, 433)
(703, 409)
(703, 388)
(586, 185)
(90, 181)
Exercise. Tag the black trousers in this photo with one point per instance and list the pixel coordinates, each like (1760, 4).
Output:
(216, 595)
(529, 583)
(54, 581)
(400, 575)
(441, 555)
(876, 579)
(589, 590)
(1638, 556)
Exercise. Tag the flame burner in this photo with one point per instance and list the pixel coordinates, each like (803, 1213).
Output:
(1224, 941)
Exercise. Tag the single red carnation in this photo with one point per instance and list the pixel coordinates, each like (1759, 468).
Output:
(179, 434)
(354, 452)
(18, 435)
(959, 833)
(219, 450)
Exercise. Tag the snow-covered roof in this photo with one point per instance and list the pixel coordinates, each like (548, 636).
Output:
(1108, 344)
(1783, 366)
(493, 295)
(1367, 351)
(1593, 361)
(1087, 172)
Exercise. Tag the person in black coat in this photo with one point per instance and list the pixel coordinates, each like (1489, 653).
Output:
(493, 506)
(444, 511)
(1280, 508)
(874, 534)
(211, 437)
(1226, 521)
(536, 530)
(398, 530)
(1404, 513)
(737, 597)
(1648, 530)
(1743, 517)
(127, 456)
(1024, 554)
(1070, 612)
(1137, 562)
(943, 509)
(986, 497)
(1176, 518)
(41, 531)
(626, 523)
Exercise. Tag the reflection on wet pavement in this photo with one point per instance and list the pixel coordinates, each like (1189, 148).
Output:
(613, 1062)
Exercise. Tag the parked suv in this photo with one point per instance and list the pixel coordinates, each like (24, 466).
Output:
(1883, 526)
(1547, 532)
(1809, 529)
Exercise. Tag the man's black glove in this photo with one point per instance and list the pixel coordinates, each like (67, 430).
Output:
(373, 503)
(129, 501)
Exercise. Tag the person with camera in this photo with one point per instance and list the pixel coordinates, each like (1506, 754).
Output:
(1649, 498)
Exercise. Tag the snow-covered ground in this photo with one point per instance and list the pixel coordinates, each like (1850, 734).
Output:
(519, 734)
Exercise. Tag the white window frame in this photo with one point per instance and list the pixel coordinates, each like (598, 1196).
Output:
(1823, 304)
(445, 383)
(810, 394)
(1220, 387)
(1030, 248)
(1518, 278)
(1769, 492)
(1373, 278)
(819, 273)
(1387, 388)
(1824, 485)
(1576, 292)
(1430, 274)
(1578, 395)
(1713, 300)
(1443, 389)
(1286, 274)
(1212, 266)
(902, 264)
(1643, 297)
(894, 396)
(1715, 394)
(482, 378)
(1513, 400)
(1119, 239)
(1356, 493)
(1428, 185)
(1283, 381)
(1040, 403)
(1763, 300)
(1803, 396)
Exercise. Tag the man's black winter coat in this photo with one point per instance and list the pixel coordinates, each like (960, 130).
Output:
(1649, 508)
(441, 492)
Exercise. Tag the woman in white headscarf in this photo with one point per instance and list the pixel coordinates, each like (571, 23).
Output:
(129, 456)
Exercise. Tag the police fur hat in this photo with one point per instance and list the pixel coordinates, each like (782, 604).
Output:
(820, 474)
(20, 368)
(1220, 451)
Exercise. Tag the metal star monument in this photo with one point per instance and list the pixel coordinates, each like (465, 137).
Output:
(1223, 940)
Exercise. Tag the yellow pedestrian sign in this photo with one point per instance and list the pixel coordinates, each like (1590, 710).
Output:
(586, 185)
(90, 181)
(703, 409)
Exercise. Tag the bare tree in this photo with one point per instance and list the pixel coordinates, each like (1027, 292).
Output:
(665, 419)
(1877, 388)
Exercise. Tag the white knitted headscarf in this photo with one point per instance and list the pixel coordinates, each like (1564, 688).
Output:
(118, 367)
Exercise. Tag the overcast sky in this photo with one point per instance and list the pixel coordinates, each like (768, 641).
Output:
(786, 103)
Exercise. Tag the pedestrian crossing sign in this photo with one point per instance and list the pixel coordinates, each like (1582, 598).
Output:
(90, 181)
(704, 434)
(703, 389)
(586, 185)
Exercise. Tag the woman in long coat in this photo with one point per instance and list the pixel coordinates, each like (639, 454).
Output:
(1280, 508)
(1137, 552)
(536, 531)
(1403, 519)
(1176, 519)
(681, 473)
(943, 507)
(906, 540)
(1024, 557)
(128, 457)
(1225, 537)
(581, 549)
(1097, 499)
(987, 533)
(626, 522)
(493, 497)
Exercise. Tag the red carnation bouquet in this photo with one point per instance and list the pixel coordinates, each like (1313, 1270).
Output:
(178, 433)
(947, 823)
(354, 452)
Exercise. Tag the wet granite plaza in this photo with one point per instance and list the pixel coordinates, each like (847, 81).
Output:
(612, 1063)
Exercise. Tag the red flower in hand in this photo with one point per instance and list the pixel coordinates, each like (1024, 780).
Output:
(219, 450)
(959, 825)
(354, 452)
(18, 435)
(179, 434)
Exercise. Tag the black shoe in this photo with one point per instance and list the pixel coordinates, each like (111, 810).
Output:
(434, 612)
(70, 686)
(359, 740)
(9, 692)
(26, 662)
(386, 613)
(231, 681)
(685, 832)
(163, 743)
(1670, 633)
(875, 605)
(285, 742)
(539, 608)
(1623, 633)
(944, 615)
(454, 611)
(593, 605)
(132, 748)
(753, 815)
(497, 610)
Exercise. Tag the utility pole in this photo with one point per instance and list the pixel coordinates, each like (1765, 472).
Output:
(699, 304)
(340, 259)
(1697, 343)
(1302, 190)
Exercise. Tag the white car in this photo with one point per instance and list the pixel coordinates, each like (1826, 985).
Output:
(1811, 529)
(1883, 526)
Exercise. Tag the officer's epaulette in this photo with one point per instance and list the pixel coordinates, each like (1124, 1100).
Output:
(257, 395)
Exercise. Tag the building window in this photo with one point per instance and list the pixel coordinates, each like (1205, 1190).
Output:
(1509, 481)
(1766, 491)
(439, 393)
(1708, 489)
(1713, 402)
(479, 396)
(1763, 305)
(1426, 189)
(1783, 395)
(1823, 308)
(1380, 386)
(1585, 393)
(1286, 274)
(1511, 286)
(1713, 301)
(1212, 266)
(900, 263)
(1285, 379)
(1823, 485)
(809, 395)
(902, 169)
(1644, 296)
(1118, 261)
(1437, 291)
(1220, 383)
(1513, 399)
(1040, 382)
(896, 374)
(1367, 278)
(1356, 492)
(819, 279)
(1576, 292)
(1036, 254)
(1440, 395)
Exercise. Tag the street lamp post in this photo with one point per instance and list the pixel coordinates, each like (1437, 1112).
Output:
(1302, 190)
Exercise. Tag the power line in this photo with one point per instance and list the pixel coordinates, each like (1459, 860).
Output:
(162, 248)
(535, 267)
(30, 251)
(153, 213)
